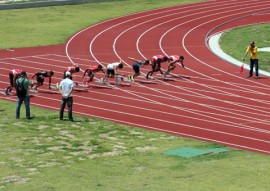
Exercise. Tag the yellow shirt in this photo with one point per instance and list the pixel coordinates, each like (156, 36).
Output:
(253, 53)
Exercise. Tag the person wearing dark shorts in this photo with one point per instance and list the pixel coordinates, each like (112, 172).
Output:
(112, 70)
(91, 72)
(136, 67)
(156, 64)
(40, 76)
(13, 76)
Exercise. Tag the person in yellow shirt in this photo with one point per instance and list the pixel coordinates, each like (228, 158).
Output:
(254, 61)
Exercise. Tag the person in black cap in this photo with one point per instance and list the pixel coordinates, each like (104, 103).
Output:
(22, 90)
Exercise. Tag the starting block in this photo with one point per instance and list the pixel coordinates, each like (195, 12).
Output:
(146, 82)
(82, 85)
(102, 82)
(144, 77)
(179, 76)
(99, 86)
(120, 84)
(9, 94)
(34, 91)
(53, 87)
(165, 79)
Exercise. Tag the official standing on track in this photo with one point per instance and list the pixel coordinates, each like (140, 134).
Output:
(254, 61)
(66, 88)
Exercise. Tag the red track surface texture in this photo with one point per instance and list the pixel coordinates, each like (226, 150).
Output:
(217, 103)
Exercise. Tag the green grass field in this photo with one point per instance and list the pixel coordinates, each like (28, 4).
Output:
(241, 38)
(45, 154)
(90, 154)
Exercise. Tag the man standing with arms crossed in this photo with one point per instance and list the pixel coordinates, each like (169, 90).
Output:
(66, 88)
(254, 61)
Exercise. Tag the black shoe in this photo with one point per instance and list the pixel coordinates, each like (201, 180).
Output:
(257, 77)
(71, 120)
(249, 76)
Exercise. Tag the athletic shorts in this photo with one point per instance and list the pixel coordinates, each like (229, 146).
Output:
(110, 72)
(91, 73)
(11, 77)
(40, 78)
(136, 67)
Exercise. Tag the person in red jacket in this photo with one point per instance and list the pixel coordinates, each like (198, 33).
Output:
(91, 72)
(72, 70)
(13, 76)
(156, 64)
(173, 59)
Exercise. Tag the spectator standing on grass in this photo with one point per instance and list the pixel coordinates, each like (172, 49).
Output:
(66, 88)
(111, 70)
(254, 61)
(22, 90)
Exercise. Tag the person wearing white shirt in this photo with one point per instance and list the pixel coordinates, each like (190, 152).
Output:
(66, 88)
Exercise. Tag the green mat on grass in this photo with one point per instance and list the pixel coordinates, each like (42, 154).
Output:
(193, 152)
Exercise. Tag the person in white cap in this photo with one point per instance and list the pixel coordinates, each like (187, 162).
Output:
(66, 87)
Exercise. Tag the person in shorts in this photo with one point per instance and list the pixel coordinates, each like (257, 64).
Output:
(40, 78)
(156, 64)
(91, 71)
(173, 59)
(112, 70)
(136, 67)
(13, 76)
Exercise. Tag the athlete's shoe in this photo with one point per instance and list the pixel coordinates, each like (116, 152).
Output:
(6, 91)
(166, 73)
(57, 86)
(132, 78)
(35, 90)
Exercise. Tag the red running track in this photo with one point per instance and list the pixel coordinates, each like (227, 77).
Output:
(216, 103)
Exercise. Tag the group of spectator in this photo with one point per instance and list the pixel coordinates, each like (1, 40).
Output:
(20, 81)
